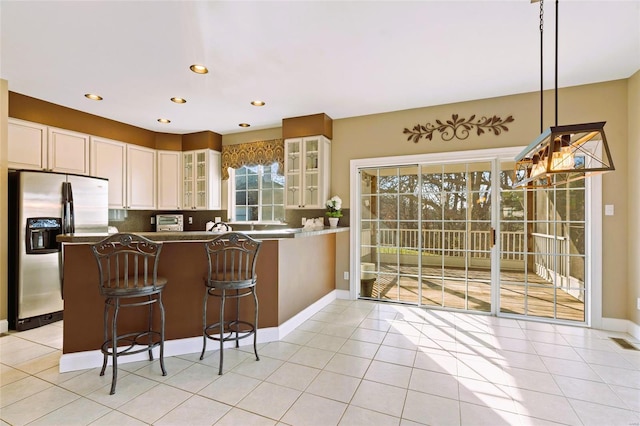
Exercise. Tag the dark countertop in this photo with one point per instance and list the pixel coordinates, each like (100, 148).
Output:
(271, 234)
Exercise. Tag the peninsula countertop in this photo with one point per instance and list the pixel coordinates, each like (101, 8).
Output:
(268, 234)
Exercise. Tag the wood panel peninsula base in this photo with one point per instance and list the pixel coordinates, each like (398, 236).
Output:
(296, 278)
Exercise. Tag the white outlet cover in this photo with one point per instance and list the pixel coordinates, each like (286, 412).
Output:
(608, 210)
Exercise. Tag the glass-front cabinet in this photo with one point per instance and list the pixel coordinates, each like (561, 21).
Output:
(201, 180)
(307, 171)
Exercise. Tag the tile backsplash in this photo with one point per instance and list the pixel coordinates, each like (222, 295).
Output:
(140, 220)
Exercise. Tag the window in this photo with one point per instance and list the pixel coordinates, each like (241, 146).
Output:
(256, 194)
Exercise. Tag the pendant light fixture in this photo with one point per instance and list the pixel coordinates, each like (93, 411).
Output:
(561, 153)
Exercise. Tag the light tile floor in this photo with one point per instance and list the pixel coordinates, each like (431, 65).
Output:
(353, 363)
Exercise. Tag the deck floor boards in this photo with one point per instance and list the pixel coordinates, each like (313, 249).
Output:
(449, 290)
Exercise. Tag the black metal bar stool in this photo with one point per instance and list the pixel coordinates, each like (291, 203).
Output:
(232, 275)
(128, 270)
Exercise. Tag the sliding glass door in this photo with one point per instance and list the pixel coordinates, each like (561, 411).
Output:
(543, 255)
(456, 235)
(390, 225)
(426, 234)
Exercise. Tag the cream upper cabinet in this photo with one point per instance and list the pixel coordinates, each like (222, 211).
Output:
(201, 175)
(141, 178)
(307, 164)
(38, 147)
(109, 160)
(27, 147)
(68, 151)
(169, 180)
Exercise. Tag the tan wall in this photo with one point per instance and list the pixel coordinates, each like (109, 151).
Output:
(381, 135)
(633, 195)
(4, 113)
(342, 260)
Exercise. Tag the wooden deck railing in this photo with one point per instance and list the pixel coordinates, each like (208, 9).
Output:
(454, 243)
(549, 255)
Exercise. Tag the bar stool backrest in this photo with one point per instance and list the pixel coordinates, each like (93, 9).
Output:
(128, 265)
(232, 261)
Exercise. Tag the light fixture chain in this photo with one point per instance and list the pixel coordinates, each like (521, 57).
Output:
(541, 65)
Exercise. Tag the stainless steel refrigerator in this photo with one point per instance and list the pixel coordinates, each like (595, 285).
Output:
(41, 206)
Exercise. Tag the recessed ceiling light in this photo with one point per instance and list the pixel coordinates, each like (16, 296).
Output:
(164, 120)
(179, 100)
(199, 69)
(258, 103)
(93, 97)
(244, 124)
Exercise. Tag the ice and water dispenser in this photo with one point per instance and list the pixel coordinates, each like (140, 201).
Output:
(41, 234)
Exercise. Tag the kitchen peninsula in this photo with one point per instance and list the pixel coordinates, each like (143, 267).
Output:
(296, 277)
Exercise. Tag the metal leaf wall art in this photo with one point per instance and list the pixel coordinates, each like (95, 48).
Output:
(458, 128)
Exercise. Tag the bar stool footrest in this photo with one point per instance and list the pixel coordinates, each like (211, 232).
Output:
(131, 343)
(232, 331)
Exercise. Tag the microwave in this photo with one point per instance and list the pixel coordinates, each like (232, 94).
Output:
(169, 222)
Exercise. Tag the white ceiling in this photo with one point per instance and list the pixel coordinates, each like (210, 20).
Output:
(302, 57)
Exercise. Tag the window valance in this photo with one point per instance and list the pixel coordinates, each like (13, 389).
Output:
(251, 154)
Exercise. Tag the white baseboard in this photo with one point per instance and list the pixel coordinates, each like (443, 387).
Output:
(343, 294)
(289, 325)
(634, 330)
(4, 326)
(622, 326)
(92, 359)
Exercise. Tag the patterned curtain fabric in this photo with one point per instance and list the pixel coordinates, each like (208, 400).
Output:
(251, 154)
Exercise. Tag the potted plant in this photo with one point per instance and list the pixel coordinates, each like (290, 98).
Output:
(334, 210)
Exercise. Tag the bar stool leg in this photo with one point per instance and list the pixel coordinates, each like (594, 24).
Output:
(105, 332)
(114, 346)
(204, 323)
(161, 305)
(255, 324)
(222, 300)
(150, 325)
(237, 318)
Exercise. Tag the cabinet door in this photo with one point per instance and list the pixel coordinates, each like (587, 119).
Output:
(27, 145)
(141, 178)
(108, 160)
(311, 171)
(293, 159)
(169, 180)
(200, 180)
(187, 179)
(68, 151)
(324, 169)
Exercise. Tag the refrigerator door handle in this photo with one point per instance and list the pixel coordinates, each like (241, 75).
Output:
(72, 219)
(67, 209)
(65, 212)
